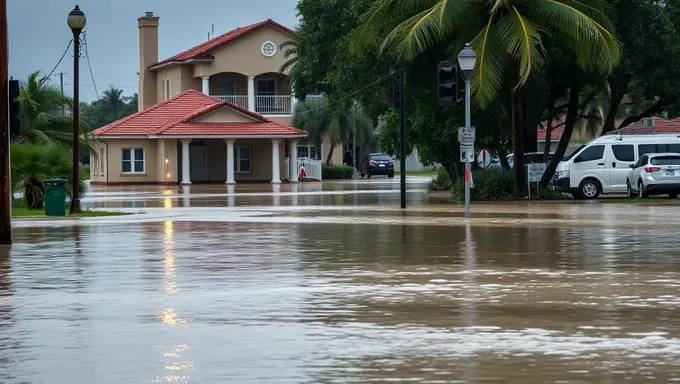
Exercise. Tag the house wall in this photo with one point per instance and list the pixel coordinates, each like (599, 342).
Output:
(261, 159)
(224, 114)
(113, 172)
(244, 55)
(172, 73)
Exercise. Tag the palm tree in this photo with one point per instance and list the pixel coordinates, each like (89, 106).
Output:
(113, 103)
(34, 163)
(289, 49)
(320, 120)
(41, 113)
(507, 36)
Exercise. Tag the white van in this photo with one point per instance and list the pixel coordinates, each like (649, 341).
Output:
(602, 165)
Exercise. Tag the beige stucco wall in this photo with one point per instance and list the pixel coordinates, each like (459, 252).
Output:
(282, 119)
(151, 167)
(98, 159)
(172, 73)
(244, 55)
(224, 114)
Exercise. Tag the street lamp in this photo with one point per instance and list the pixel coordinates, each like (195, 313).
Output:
(76, 21)
(466, 62)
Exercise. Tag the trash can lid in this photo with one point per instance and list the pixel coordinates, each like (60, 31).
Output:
(56, 181)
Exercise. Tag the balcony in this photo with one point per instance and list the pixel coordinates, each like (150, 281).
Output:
(265, 105)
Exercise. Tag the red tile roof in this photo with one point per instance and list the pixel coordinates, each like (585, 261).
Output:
(202, 50)
(555, 133)
(176, 117)
(661, 126)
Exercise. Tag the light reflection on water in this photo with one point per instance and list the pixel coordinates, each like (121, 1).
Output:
(175, 301)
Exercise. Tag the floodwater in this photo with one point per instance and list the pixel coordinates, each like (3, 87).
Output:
(332, 283)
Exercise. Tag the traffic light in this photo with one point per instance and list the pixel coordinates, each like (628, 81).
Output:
(446, 83)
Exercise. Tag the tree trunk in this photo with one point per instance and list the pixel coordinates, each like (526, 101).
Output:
(548, 131)
(318, 150)
(655, 109)
(503, 157)
(610, 120)
(569, 123)
(519, 188)
(330, 155)
(450, 168)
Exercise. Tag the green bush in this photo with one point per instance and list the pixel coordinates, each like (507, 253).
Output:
(497, 185)
(442, 182)
(85, 172)
(336, 172)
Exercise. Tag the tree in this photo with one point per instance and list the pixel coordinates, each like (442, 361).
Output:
(33, 163)
(320, 119)
(110, 107)
(41, 112)
(508, 37)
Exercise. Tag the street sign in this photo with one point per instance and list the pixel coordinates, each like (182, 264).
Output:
(535, 172)
(467, 152)
(466, 135)
(483, 159)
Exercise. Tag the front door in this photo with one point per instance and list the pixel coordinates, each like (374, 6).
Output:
(198, 163)
(620, 159)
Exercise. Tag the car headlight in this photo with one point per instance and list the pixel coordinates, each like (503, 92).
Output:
(562, 174)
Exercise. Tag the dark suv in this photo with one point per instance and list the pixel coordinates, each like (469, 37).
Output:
(376, 164)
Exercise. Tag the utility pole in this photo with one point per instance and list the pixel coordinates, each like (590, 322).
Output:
(5, 190)
(402, 137)
(61, 80)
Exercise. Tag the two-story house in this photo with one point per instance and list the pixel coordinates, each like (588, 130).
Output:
(218, 112)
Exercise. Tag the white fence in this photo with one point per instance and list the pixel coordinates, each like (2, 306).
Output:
(241, 101)
(270, 105)
(312, 168)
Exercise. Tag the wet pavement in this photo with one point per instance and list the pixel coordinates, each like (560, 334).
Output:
(332, 283)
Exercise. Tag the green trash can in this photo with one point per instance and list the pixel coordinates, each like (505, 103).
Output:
(55, 197)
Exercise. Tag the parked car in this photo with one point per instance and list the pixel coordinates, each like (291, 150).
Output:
(530, 158)
(376, 164)
(602, 165)
(655, 174)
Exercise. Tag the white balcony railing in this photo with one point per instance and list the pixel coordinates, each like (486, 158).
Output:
(241, 101)
(273, 105)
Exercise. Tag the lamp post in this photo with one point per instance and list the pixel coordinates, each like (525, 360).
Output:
(76, 21)
(5, 190)
(466, 62)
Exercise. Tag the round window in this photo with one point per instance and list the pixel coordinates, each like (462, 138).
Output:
(268, 49)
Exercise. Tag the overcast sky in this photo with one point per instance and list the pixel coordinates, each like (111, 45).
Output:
(38, 34)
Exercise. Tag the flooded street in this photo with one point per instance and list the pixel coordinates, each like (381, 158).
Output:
(331, 283)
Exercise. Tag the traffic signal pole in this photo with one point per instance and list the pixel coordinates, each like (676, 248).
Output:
(468, 165)
(402, 137)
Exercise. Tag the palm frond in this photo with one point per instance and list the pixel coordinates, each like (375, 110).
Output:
(487, 78)
(416, 33)
(522, 39)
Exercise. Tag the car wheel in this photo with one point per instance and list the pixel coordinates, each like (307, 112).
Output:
(629, 190)
(363, 174)
(368, 175)
(673, 195)
(641, 190)
(590, 189)
(391, 174)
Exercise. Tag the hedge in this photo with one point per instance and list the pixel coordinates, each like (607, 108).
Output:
(335, 172)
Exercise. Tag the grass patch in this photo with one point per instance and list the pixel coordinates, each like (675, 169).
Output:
(25, 212)
(637, 200)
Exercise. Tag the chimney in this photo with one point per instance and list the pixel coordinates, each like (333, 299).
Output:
(148, 55)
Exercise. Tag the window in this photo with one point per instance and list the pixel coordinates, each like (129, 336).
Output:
(666, 160)
(644, 149)
(624, 152)
(266, 87)
(303, 151)
(101, 159)
(226, 88)
(242, 159)
(592, 153)
(381, 157)
(133, 160)
(641, 161)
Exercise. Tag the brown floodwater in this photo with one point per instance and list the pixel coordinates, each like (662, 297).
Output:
(331, 283)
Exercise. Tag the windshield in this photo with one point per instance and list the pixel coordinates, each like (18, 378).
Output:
(567, 158)
(380, 157)
(666, 160)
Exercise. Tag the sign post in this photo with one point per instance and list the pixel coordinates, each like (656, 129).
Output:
(484, 160)
(534, 174)
(466, 138)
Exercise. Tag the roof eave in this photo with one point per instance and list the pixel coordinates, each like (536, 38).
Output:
(162, 64)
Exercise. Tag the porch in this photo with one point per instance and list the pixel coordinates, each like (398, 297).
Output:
(233, 161)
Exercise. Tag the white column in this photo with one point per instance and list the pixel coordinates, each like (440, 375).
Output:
(230, 161)
(251, 93)
(206, 85)
(186, 168)
(292, 162)
(186, 196)
(276, 168)
(231, 196)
